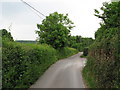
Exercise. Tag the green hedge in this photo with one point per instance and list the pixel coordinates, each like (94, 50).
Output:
(103, 61)
(23, 64)
(103, 65)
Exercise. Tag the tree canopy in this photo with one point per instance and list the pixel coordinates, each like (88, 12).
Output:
(110, 19)
(5, 35)
(110, 15)
(55, 30)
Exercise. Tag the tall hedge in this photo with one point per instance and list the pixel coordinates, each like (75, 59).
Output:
(23, 64)
(103, 64)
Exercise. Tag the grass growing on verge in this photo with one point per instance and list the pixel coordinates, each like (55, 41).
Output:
(87, 75)
(88, 78)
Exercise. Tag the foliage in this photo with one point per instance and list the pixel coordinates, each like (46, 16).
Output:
(6, 35)
(23, 64)
(66, 52)
(103, 60)
(110, 15)
(79, 42)
(55, 30)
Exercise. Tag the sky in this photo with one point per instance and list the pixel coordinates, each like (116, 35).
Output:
(21, 20)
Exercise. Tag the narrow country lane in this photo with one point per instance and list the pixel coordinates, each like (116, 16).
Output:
(65, 73)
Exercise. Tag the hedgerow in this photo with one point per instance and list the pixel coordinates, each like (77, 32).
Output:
(103, 64)
(23, 64)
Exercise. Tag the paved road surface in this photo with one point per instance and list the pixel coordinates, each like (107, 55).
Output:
(65, 73)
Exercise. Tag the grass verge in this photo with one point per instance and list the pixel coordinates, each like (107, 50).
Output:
(88, 78)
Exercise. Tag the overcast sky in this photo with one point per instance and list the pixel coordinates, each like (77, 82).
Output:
(23, 19)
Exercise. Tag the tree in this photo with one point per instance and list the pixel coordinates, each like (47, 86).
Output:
(111, 19)
(110, 15)
(78, 39)
(55, 30)
(79, 42)
(6, 35)
(72, 40)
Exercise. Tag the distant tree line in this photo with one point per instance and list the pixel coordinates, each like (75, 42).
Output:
(80, 42)
(26, 41)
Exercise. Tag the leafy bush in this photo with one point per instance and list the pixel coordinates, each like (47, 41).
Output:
(23, 64)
